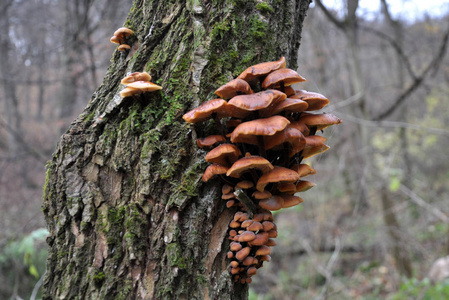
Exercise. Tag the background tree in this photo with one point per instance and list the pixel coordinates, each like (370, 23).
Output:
(127, 215)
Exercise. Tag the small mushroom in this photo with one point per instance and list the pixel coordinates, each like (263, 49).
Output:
(213, 170)
(314, 100)
(321, 121)
(278, 174)
(253, 73)
(303, 170)
(123, 47)
(240, 106)
(247, 132)
(206, 110)
(290, 200)
(248, 163)
(304, 185)
(136, 76)
(314, 145)
(272, 203)
(224, 154)
(234, 88)
(282, 77)
(210, 141)
(242, 254)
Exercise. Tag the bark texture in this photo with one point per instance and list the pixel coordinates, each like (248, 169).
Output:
(128, 215)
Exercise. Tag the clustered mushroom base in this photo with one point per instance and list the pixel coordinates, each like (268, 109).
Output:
(258, 153)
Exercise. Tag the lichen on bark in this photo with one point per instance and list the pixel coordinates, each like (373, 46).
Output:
(128, 215)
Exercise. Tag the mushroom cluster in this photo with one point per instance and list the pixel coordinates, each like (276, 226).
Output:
(137, 83)
(120, 37)
(266, 129)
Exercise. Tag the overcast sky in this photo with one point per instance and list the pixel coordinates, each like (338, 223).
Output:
(406, 9)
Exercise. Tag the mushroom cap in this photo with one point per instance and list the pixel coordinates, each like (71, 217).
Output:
(304, 185)
(285, 76)
(314, 145)
(261, 195)
(247, 132)
(246, 223)
(233, 88)
(136, 76)
(286, 187)
(144, 86)
(235, 246)
(263, 250)
(255, 226)
(267, 225)
(210, 141)
(213, 170)
(114, 40)
(123, 47)
(289, 135)
(289, 104)
(228, 196)
(242, 254)
(272, 203)
(278, 174)
(123, 32)
(300, 126)
(245, 184)
(316, 101)
(303, 170)
(247, 163)
(254, 72)
(226, 189)
(321, 121)
(241, 105)
(205, 111)
(224, 154)
(247, 236)
(129, 91)
(289, 91)
(261, 239)
(290, 200)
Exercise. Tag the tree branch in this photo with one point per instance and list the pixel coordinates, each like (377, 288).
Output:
(433, 65)
(329, 15)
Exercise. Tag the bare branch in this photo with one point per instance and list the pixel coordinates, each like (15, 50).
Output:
(329, 15)
(434, 65)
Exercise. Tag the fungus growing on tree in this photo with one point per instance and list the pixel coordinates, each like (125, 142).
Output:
(276, 134)
(138, 83)
(121, 37)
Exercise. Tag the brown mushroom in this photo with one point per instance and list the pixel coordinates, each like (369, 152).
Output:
(282, 77)
(314, 145)
(242, 254)
(233, 88)
(247, 163)
(321, 121)
(247, 236)
(272, 203)
(247, 132)
(224, 154)
(261, 239)
(213, 170)
(245, 184)
(316, 101)
(304, 185)
(290, 201)
(261, 195)
(123, 47)
(240, 106)
(303, 170)
(278, 174)
(122, 33)
(289, 105)
(255, 226)
(235, 246)
(210, 141)
(289, 135)
(255, 72)
(263, 250)
(205, 111)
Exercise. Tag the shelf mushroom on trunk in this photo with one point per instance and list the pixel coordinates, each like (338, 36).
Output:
(261, 115)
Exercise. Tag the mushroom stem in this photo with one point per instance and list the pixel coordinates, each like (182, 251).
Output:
(247, 202)
(261, 145)
(219, 125)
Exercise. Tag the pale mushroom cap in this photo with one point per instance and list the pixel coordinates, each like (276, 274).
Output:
(269, 126)
(262, 69)
(224, 154)
(129, 91)
(278, 174)
(213, 170)
(247, 163)
(233, 88)
(285, 76)
(205, 111)
(123, 47)
(304, 185)
(303, 170)
(136, 76)
(114, 40)
(123, 31)
(145, 86)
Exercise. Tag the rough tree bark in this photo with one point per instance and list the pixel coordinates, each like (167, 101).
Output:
(127, 213)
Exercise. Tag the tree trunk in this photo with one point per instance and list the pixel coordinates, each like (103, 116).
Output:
(127, 213)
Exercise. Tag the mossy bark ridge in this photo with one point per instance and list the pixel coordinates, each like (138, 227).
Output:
(128, 215)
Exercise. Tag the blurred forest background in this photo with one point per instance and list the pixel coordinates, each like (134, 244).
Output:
(379, 215)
